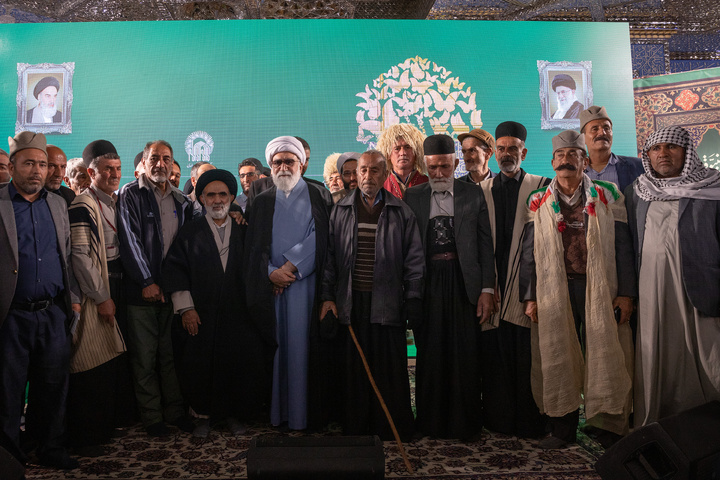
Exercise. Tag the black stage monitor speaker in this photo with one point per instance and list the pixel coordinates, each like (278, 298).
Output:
(10, 469)
(685, 446)
(316, 458)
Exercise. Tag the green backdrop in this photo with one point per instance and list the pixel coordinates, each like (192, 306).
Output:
(246, 82)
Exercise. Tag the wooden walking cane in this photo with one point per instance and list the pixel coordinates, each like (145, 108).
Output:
(382, 402)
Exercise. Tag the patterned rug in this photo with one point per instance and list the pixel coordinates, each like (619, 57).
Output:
(221, 456)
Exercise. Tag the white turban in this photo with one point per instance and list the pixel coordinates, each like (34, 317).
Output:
(285, 144)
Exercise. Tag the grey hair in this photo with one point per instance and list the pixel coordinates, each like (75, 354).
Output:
(73, 166)
(196, 167)
(3, 152)
(150, 144)
(377, 153)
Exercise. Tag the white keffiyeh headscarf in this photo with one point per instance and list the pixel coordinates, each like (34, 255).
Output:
(695, 181)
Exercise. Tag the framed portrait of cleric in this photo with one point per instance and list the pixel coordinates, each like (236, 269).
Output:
(44, 97)
(565, 91)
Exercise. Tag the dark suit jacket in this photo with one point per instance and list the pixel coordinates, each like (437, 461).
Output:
(9, 249)
(699, 230)
(472, 232)
(628, 169)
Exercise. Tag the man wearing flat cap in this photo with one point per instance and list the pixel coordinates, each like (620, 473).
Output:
(222, 363)
(459, 286)
(402, 145)
(603, 164)
(568, 105)
(45, 92)
(577, 280)
(150, 213)
(477, 148)
(287, 240)
(507, 397)
(674, 216)
(35, 305)
(100, 396)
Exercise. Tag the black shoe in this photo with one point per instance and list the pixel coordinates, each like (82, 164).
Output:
(552, 443)
(91, 451)
(184, 423)
(59, 460)
(158, 429)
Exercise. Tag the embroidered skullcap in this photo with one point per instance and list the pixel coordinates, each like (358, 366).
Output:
(511, 129)
(138, 159)
(563, 80)
(568, 139)
(593, 113)
(344, 158)
(96, 149)
(44, 83)
(481, 135)
(439, 145)
(24, 140)
(695, 181)
(285, 144)
(216, 174)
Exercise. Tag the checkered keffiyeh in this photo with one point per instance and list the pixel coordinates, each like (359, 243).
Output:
(695, 181)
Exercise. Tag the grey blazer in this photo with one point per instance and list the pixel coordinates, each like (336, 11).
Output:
(9, 250)
(699, 229)
(472, 232)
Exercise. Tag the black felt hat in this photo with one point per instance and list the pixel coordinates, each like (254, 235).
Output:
(511, 129)
(439, 145)
(96, 149)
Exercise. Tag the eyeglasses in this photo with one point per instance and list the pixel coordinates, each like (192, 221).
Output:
(288, 162)
(250, 174)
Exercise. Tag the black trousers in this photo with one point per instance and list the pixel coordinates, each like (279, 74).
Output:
(35, 348)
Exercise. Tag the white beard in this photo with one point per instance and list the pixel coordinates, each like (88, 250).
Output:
(219, 214)
(286, 182)
(440, 184)
(158, 177)
(47, 112)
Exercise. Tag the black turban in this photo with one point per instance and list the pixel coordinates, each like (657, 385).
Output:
(511, 129)
(44, 83)
(96, 149)
(439, 145)
(213, 175)
(563, 80)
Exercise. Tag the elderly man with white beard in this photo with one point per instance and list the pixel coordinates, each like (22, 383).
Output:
(287, 239)
(150, 213)
(46, 92)
(219, 348)
(455, 231)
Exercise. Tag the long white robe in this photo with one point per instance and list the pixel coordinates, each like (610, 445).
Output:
(678, 349)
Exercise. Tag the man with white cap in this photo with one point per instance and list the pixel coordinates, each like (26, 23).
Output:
(35, 308)
(674, 215)
(578, 282)
(287, 239)
(596, 126)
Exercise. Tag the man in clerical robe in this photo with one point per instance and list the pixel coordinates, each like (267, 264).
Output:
(674, 215)
(287, 239)
(576, 277)
(221, 355)
(508, 403)
(459, 287)
(402, 145)
(373, 281)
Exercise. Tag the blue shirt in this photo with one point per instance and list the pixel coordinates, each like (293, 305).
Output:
(40, 274)
(378, 197)
(607, 174)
